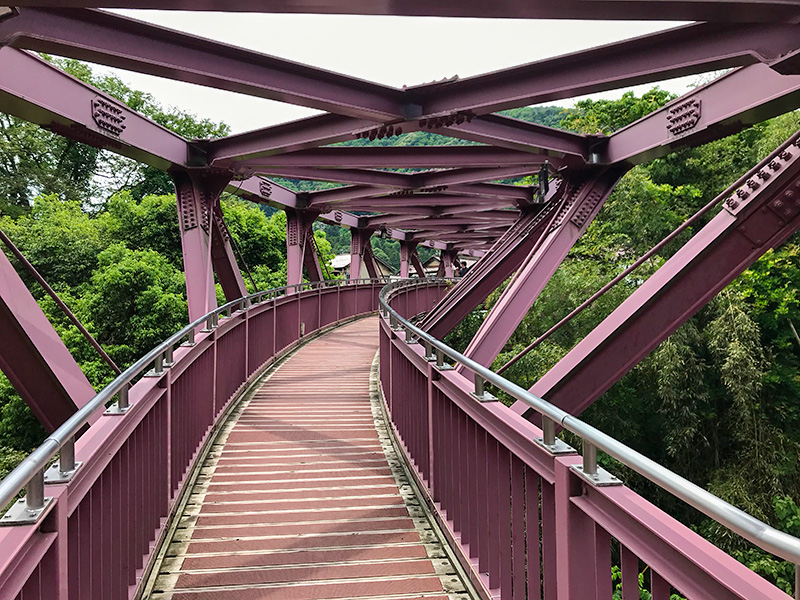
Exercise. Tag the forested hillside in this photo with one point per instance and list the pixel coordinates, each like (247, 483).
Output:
(717, 402)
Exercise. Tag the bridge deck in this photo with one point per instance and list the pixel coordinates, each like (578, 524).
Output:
(302, 496)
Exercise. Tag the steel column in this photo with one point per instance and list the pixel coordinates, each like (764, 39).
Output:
(198, 193)
(581, 203)
(359, 242)
(299, 250)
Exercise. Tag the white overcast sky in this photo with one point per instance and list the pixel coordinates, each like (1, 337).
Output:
(389, 50)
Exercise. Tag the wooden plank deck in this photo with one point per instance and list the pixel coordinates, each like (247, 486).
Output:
(302, 496)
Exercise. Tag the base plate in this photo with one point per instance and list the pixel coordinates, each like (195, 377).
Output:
(19, 514)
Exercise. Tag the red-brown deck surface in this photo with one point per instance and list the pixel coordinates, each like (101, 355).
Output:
(300, 502)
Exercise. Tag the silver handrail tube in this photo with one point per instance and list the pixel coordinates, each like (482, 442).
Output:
(38, 460)
(759, 533)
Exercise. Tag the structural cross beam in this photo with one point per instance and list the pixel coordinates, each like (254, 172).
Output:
(581, 202)
(750, 11)
(126, 43)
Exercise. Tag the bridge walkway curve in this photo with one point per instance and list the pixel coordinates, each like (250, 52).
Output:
(302, 496)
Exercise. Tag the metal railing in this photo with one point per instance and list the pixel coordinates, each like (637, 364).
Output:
(30, 473)
(759, 533)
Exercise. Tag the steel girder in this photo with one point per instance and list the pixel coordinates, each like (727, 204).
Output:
(725, 106)
(224, 260)
(197, 196)
(579, 206)
(361, 252)
(640, 10)
(33, 357)
(300, 249)
(126, 43)
(761, 214)
(504, 257)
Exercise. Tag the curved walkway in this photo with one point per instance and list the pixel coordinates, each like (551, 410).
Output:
(302, 496)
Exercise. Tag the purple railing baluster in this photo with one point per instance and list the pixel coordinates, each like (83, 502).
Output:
(629, 564)
(517, 528)
(492, 511)
(659, 586)
(533, 530)
(504, 496)
(602, 552)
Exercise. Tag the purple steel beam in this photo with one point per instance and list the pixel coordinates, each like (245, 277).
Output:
(523, 136)
(446, 258)
(352, 194)
(658, 10)
(734, 101)
(197, 194)
(390, 202)
(416, 262)
(304, 134)
(759, 215)
(370, 262)
(299, 248)
(677, 52)
(466, 215)
(257, 189)
(582, 201)
(456, 224)
(505, 256)
(311, 261)
(370, 157)
(406, 248)
(299, 135)
(359, 242)
(126, 43)
(35, 91)
(223, 259)
(33, 357)
(355, 176)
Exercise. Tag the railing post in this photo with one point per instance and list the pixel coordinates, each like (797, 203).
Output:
(589, 459)
(121, 406)
(66, 467)
(158, 367)
(169, 356)
(27, 511)
(480, 390)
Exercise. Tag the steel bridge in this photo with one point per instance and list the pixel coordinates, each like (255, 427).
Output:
(263, 451)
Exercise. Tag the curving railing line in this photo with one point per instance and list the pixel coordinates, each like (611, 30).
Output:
(30, 472)
(759, 533)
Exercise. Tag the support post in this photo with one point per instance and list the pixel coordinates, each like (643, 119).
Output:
(405, 255)
(759, 215)
(446, 258)
(198, 193)
(361, 253)
(300, 249)
(33, 357)
(581, 203)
